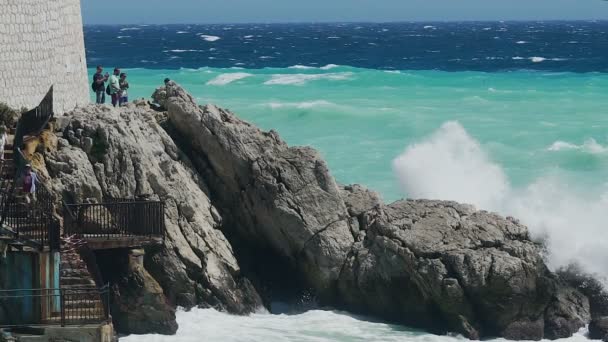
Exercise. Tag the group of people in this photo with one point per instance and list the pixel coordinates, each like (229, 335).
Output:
(117, 86)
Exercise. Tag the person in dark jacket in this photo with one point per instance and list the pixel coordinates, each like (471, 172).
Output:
(99, 85)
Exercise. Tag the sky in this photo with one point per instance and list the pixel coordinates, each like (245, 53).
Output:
(270, 11)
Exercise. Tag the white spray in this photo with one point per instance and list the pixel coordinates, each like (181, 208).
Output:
(451, 165)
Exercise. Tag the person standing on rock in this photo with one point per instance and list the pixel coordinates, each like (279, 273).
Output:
(99, 85)
(29, 179)
(124, 85)
(115, 87)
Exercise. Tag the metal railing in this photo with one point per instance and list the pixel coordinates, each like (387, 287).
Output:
(54, 306)
(32, 123)
(115, 219)
(30, 221)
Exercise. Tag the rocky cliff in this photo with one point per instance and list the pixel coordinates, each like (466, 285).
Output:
(250, 218)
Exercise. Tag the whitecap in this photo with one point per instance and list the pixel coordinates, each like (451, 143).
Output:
(333, 37)
(518, 58)
(130, 29)
(301, 105)
(537, 59)
(179, 51)
(589, 146)
(182, 32)
(225, 79)
(248, 37)
(301, 79)
(329, 67)
(265, 57)
(122, 37)
(303, 67)
(522, 42)
(429, 27)
(209, 38)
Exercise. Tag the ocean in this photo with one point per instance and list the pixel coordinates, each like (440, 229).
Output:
(508, 116)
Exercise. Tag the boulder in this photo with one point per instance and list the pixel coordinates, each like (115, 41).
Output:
(138, 304)
(271, 195)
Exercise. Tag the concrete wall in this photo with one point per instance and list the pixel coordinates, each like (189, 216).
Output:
(42, 43)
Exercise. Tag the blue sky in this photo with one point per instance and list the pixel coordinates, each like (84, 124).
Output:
(238, 11)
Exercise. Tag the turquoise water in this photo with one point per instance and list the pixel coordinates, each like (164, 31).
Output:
(529, 144)
(362, 119)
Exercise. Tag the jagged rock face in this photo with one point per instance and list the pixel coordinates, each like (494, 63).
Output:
(276, 196)
(438, 265)
(124, 153)
(137, 303)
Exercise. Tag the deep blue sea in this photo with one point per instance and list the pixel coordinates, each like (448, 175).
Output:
(509, 116)
(448, 46)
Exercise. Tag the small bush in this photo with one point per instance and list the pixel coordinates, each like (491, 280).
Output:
(8, 115)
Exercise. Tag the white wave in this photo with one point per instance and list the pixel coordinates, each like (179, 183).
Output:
(589, 146)
(209, 38)
(451, 165)
(333, 37)
(248, 37)
(301, 105)
(303, 67)
(179, 51)
(182, 32)
(329, 67)
(122, 37)
(311, 326)
(306, 67)
(518, 58)
(537, 59)
(522, 42)
(130, 29)
(429, 27)
(301, 79)
(225, 79)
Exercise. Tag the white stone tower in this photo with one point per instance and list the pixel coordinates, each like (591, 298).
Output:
(42, 44)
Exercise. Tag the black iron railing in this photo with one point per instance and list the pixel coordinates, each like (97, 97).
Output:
(56, 306)
(34, 220)
(115, 219)
(31, 123)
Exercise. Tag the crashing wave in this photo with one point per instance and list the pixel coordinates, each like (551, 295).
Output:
(225, 79)
(301, 79)
(451, 165)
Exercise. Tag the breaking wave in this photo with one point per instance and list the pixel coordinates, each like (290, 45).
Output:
(301, 79)
(311, 326)
(225, 79)
(589, 146)
(451, 165)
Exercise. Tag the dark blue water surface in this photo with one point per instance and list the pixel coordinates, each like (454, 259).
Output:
(478, 46)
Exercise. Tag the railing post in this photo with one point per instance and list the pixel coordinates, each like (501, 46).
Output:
(62, 304)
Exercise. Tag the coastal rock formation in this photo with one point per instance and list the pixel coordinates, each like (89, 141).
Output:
(272, 196)
(138, 304)
(438, 265)
(125, 153)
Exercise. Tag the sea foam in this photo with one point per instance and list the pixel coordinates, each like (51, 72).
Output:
(301, 79)
(225, 79)
(451, 165)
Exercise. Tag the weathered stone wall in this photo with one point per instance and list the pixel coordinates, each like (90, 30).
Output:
(42, 44)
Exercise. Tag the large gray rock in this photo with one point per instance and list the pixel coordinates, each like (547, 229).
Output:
(272, 195)
(124, 153)
(438, 265)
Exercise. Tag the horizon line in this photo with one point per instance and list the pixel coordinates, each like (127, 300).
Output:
(353, 22)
